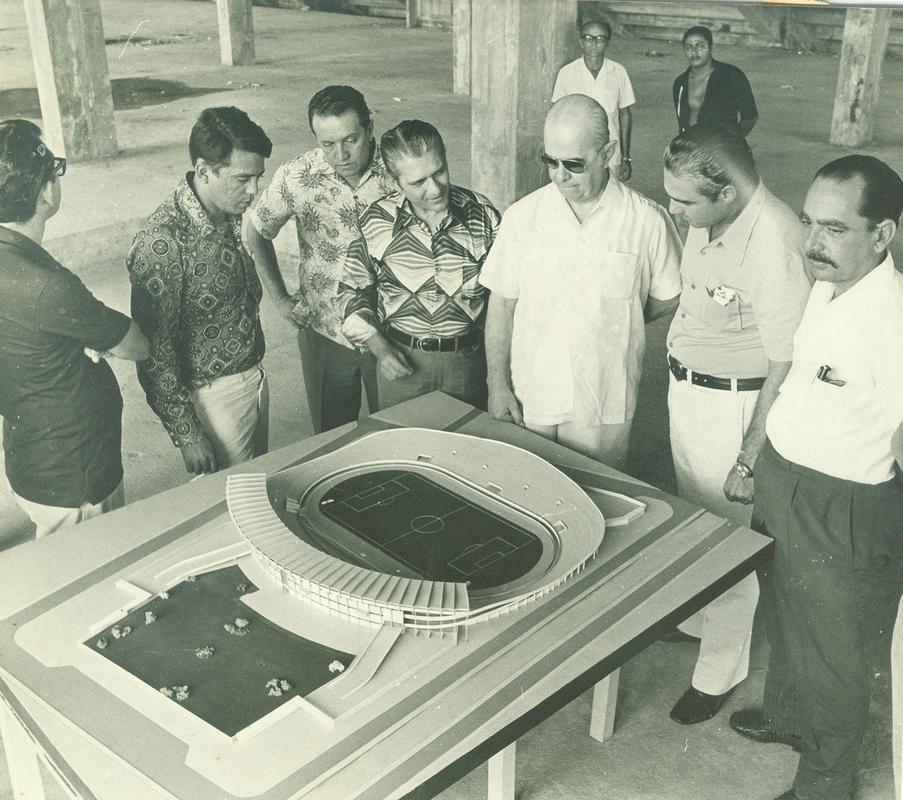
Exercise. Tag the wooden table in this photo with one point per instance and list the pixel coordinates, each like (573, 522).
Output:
(433, 721)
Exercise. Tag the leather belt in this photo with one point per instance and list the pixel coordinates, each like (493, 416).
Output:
(681, 373)
(435, 344)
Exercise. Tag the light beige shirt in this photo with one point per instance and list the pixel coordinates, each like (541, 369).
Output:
(611, 89)
(743, 293)
(844, 429)
(579, 332)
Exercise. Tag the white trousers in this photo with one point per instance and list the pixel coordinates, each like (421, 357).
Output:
(235, 412)
(49, 519)
(605, 443)
(707, 429)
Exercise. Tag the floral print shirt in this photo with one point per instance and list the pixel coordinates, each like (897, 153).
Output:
(326, 210)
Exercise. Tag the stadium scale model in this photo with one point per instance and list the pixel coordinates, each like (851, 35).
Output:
(416, 528)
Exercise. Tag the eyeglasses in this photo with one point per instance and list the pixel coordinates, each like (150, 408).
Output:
(573, 165)
(59, 166)
(590, 39)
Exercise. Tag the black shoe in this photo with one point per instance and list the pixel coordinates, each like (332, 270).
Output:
(695, 706)
(753, 724)
(676, 635)
(788, 795)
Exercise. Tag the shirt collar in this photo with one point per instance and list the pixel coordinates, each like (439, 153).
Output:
(736, 237)
(612, 196)
(876, 283)
(191, 205)
(405, 216)
(16, 239)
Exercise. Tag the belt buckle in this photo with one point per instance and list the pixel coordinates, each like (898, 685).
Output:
(427, 344)
(678, 370)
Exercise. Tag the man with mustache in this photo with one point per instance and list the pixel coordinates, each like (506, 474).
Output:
(729, 348)
(409, 288)
(196, 294)
(826, 488)
(579, 266)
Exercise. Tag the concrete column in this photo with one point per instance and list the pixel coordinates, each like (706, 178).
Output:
(236, 32)
(412, 13)
(517, 48)
(73, 79)
(461, 13)
(859, 77)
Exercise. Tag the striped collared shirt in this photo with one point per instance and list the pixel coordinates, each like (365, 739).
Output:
(398, 273)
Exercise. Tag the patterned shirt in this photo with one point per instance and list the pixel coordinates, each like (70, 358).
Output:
(398, 273)
(326, 209)
(196, 296)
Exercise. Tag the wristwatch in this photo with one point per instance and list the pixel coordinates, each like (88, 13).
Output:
(743, 470)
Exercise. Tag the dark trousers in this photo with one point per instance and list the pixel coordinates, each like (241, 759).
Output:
(833, 581)
(333, 375)
(460, 373)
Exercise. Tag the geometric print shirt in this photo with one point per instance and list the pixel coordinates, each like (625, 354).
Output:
(398, 273)
(196, 296)
(326, 209)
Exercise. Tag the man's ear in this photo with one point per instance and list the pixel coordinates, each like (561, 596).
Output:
(202, 169)
(885, 230)
(45, 196)
(729, 193)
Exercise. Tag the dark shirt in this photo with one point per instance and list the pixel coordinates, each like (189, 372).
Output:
(61, 411)
(196, 296)
(728, 98)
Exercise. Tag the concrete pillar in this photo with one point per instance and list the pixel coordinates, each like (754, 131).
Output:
(517, 48)
(73, 79)
(236, 32)
(859, 77)
(412, 13)
(461, 13)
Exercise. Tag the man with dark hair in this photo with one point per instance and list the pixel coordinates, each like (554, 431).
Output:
(825, 483)
(579, 266)
(325, 190)
(607, 82)
(60, 402)
(729, 348)
(196, 294)
(409, 287)
(711, 92)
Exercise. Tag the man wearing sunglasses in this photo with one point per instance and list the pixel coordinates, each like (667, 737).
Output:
(577, 268)
(61, 406)
(607, 82)
(729, 348)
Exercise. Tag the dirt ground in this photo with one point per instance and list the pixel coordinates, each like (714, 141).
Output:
(170, 70)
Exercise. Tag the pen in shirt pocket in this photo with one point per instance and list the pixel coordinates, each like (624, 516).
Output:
(824, 375)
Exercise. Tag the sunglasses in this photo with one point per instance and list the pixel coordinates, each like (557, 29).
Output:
(572, 165)
(590, 39)
(59, 167)
(56, 163)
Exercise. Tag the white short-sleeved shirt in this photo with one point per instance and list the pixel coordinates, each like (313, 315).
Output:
(845, 430)
(743, 293)
(579, 333)
(611, 89)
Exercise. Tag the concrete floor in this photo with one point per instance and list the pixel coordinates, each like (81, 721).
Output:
(161, 83)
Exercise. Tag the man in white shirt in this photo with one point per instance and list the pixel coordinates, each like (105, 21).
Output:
(577, 268)
(607, 82)
(729, 348)
(825, 483)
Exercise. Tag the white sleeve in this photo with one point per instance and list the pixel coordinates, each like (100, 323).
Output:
(626, 90)
(664, 252)
(500, 269)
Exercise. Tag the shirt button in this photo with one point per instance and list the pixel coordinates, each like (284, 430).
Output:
(682, 315)
(692, 285)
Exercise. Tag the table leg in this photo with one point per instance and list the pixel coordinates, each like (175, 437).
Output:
(605, 701)
(501, 774)
(21, 757)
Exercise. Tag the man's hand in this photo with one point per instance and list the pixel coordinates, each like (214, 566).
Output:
(626, 171)
(392, 364)
(199, 457)
(95, 355)
(504, 405)
(285, 307)
(737, 489)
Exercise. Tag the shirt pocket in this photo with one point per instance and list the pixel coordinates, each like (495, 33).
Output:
(721, 317)
(612, 275)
